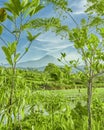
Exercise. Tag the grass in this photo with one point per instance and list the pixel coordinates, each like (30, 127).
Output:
(97, 92)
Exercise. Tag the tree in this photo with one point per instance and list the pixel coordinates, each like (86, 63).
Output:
(86, 39)
(90, 48)
(54, 71)
(20, 14)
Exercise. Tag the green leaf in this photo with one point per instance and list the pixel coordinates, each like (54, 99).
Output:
(35, 3)
(59, 59)
(3, 15)
(26, 49)
(35, 36)
(32, 7)
(102, 32)
(39, 8)
(17, 5)
(16, 57)
(83, 21)
(10, 18)
(12, 47)
(46, 23)
(14, 7)
(9, 59)
(63, 55)
(96, 21)
(31, 37)
(1, 30)
(60, 4)
(7, 54)
(6, 51)
(27, 10)
(69, 10)
(32, 11)
(24, 2)
(10, 8)
(25, 26)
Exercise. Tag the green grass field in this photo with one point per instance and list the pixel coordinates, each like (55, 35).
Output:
(97, 92)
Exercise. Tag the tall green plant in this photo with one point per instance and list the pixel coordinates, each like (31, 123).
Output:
(20, 14)
(86, 39)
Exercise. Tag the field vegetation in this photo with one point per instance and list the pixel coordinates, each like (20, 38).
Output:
(49, 104)
(58, 98)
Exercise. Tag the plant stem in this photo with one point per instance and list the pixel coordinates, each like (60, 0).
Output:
(89, 93)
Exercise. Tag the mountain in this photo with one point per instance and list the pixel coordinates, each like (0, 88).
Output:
(40, 63)
(68, 50)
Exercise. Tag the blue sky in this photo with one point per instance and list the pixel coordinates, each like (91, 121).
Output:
(48, 43)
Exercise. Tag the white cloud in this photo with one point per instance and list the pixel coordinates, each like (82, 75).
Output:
(78, 6)
(49, 43)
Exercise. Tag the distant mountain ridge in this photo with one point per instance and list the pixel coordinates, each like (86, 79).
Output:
(40, 63)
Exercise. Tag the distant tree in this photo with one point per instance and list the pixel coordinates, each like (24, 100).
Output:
(54, 71)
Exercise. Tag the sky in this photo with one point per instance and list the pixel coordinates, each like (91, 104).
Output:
(48, 43)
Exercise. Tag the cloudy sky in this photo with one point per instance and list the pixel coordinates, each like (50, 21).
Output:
(48, 43)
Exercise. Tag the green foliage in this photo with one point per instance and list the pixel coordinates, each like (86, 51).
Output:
(1, 30)
(101, 31)
(48, 110)
(46, 23)
(96, 6)
(54, 71)
(60, 4)
(26, 7)
(9, 52)
(97, 110)
(88, 44)
(30, 37)
(3, 14)
(23, 108)
(15, 104)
